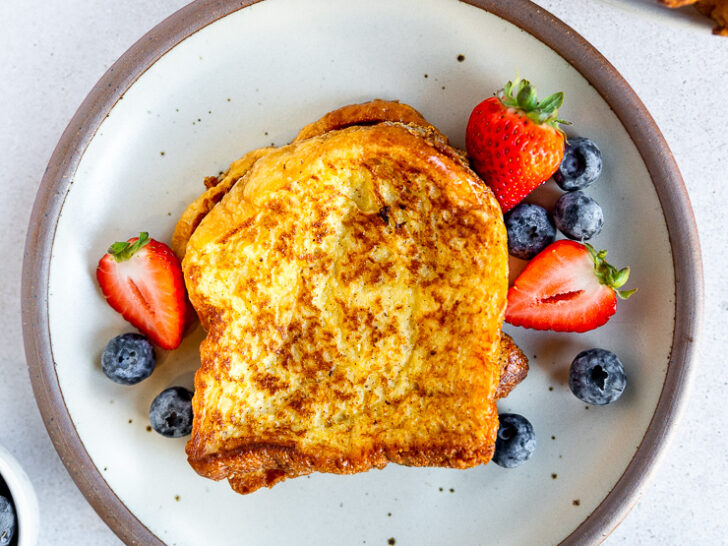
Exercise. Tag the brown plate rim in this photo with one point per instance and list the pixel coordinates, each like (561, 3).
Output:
(531, 18)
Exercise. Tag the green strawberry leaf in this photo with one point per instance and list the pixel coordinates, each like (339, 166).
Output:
(608, 274)
(526, 100)
(625, 294)
(122, 250)
(621, 277)
(552, 102)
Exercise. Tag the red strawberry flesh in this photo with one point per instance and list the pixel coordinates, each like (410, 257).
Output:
(560, 290)
(148, 290)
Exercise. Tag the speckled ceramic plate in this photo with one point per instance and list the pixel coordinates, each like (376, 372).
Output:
(214, 81)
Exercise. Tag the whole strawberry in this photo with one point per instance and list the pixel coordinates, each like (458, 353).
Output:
(514, 141)
(567, 287)
(142, 279)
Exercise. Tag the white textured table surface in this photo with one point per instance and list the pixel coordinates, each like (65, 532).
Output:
(53, 51)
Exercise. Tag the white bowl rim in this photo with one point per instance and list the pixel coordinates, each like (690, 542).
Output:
(23, 496)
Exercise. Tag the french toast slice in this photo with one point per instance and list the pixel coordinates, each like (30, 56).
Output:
(514, 364)
(352, 287)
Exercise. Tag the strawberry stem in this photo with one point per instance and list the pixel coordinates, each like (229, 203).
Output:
(545, 112)
(608, 275)
(123, 250)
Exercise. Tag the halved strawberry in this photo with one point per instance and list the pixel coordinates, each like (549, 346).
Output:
(142, 280)
(567, 287)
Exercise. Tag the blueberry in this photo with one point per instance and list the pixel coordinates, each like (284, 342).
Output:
(128, 359)
(516, 440)
(171, 412)
(578, 216)
(8, 522)
(581, 165)
(530, 230)
(597, 377)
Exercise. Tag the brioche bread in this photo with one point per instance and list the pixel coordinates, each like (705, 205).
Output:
(352, 285)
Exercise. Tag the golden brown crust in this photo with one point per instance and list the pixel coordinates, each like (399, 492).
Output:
(405, 367)
(216, 189)
(443, 456)
(248, 482)
(368, 113)
(381, 111)
(279, 463)
(677, 3)
(514, 366)
(251, 460)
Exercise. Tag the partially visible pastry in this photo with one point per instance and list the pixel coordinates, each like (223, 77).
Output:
(715, 9)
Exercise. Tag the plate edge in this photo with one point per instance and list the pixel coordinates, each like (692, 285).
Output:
(531, 18)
